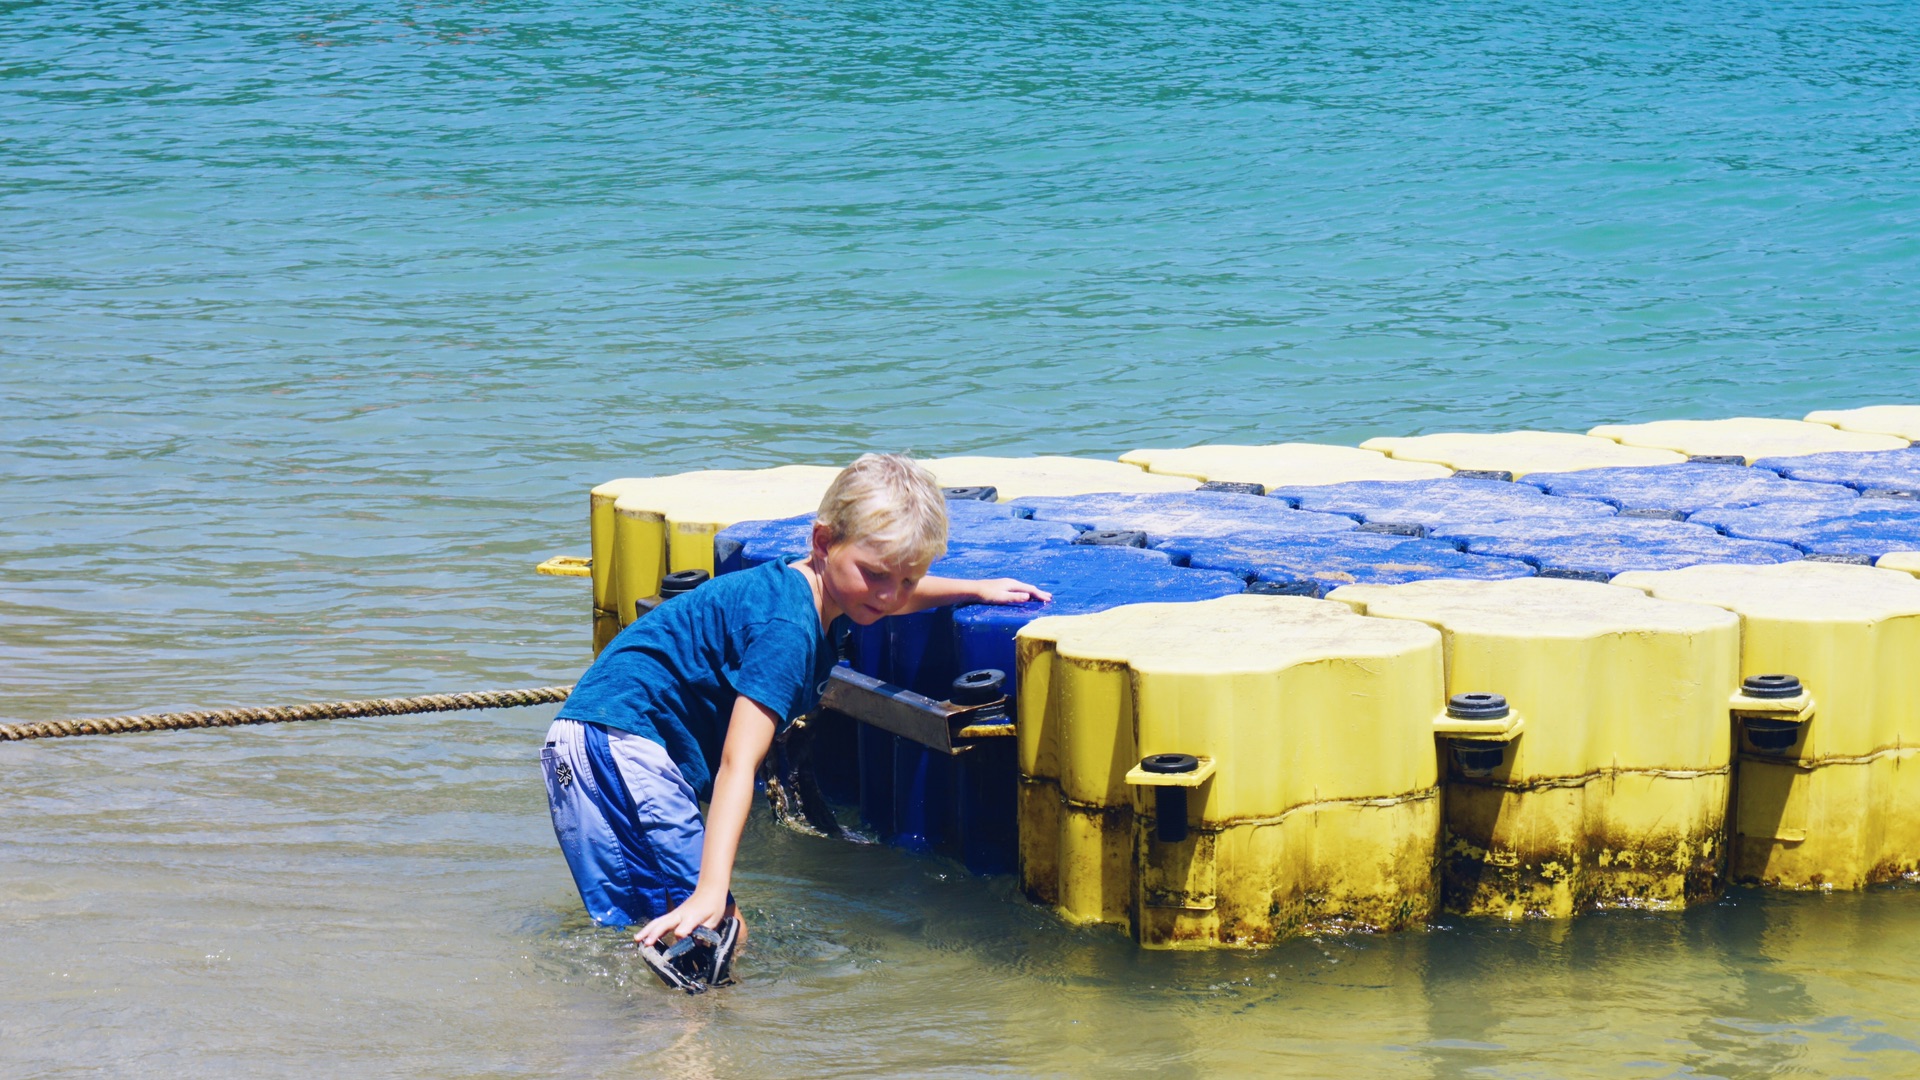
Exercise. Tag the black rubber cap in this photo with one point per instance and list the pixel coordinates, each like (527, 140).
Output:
(1112, 538)
(1562, 574)
(979, 687)
(1890, 493)
(1478, 758)
(1770, 686)
(1842, 557)
(1169, 763)
(682, 581)
(1477, 706)
(1395, 528)
(1766, 733)
(1284, 588)
(972, 494)
(1653, 513)
(1233, 487)
(1483, 474)
(1716, 459)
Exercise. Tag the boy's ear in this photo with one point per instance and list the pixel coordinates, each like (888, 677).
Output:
(822, 538)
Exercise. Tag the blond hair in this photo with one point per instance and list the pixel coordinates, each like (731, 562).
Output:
(891, 502)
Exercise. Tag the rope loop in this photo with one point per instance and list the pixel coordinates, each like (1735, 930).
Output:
(279, 714)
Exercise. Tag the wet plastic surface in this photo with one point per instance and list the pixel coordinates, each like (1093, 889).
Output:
(1881, 469)
(1614, 545)
(1320, 564)
(1433, 503)
(1165, 516)
(1081, 579)
(1687, 488)
(1867, 526)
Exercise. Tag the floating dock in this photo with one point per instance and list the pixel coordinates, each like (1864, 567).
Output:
(1299, 688)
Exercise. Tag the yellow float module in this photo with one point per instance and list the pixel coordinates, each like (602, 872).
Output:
(1282, 465)
(1519, 452)
(1830, 796)
(1904, 561)
(1616, 794)
(1309, 795)
(1900, 420)
(643, 529)
(1017, 478)
(1746, 437)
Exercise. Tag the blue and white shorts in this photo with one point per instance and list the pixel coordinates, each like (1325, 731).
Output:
(627, 821)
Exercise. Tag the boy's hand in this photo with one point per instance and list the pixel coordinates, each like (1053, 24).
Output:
(1008, 590)
(697, 910)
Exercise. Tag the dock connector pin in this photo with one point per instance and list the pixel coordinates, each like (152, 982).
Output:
(1477, 727)
(1772, 711)
(1170, 776)
(671, 585)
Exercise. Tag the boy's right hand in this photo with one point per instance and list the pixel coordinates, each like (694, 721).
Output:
(697, 910)
(1008, 590)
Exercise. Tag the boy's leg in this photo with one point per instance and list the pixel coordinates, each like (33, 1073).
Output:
(626, 820)
(668, 832)
(668, 812)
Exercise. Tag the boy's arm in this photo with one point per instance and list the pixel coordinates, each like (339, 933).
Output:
(933, 592)
(749, 735)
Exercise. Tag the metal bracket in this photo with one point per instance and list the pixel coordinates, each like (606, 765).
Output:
(937, 725)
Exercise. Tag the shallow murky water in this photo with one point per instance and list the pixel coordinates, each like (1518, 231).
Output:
(383, 898)
(317, 322)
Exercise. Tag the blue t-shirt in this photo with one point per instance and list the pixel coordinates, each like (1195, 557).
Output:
(672, 676)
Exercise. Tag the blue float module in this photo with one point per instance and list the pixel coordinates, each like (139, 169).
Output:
(1686, 488)
(1165, 516)
(1898, 470)
(1264, 539)
(964, 805)
(1866, 528)
(1316, 565)
(1600, 547)
(1433, 504)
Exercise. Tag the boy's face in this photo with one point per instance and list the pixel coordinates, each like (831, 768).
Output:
(863, 583)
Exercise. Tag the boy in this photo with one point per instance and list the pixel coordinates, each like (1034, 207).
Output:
(709, 678)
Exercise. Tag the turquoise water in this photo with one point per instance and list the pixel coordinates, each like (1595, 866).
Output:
(316, 322)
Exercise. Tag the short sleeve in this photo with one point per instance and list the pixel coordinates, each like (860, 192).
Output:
(776, 668)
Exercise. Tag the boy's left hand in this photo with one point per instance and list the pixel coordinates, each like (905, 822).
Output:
(1010, 591)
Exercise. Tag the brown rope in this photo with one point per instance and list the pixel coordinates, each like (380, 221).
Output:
(321, 710)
